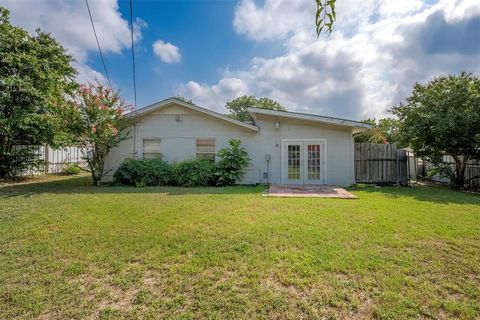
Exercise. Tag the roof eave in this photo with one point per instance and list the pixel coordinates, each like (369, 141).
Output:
(161, 104)
(316, 118)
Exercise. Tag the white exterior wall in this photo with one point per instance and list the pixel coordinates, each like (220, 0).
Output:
(116, 156)
(339, 147)
(178, 142)
(178, 139)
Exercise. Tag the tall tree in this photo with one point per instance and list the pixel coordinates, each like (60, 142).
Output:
(383, 131)
(34, 71)
(441, 118)
(238, 107)
(95, 117)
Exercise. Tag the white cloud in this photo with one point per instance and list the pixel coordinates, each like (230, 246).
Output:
(272, 21)
(378, 50)
(209, 96)
(138, 26)
(166, 51)
(69, 23)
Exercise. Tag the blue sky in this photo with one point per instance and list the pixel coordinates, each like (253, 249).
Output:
(203, 32)
(214, 51)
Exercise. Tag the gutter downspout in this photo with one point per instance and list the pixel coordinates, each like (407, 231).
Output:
(134, 141)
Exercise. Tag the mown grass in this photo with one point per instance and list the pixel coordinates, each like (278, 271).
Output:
(68, 250)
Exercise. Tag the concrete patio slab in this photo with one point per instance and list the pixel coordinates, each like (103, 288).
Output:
(309, 191)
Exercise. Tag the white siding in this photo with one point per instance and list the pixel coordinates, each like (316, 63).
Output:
(117, 155)
(179, 138)
(179, 142)
(339, 157)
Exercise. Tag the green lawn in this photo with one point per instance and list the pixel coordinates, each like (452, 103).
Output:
(68, 250)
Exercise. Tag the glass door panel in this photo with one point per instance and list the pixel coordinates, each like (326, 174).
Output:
(313, 162)
(294, 162)
(303, 161)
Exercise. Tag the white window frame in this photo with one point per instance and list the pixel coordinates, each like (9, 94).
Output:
(159, 153)
(214, 152)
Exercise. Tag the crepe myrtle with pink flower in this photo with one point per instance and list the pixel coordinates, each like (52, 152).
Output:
(95, 117)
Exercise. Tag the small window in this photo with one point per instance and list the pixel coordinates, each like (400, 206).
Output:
(206, 149)
(151, 148)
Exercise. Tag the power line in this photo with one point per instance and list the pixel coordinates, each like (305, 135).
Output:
(98, 44)
(133, 56)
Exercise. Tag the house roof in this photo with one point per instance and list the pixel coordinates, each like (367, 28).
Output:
(357, 125)
(167, 102)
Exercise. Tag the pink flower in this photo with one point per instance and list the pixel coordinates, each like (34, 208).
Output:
(94, 129)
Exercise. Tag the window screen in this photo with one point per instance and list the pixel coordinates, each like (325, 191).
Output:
(151, 148)
(206, 149)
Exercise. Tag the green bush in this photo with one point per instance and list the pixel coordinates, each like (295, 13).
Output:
(19, 161)
(232, 164)
(229, 170)
(193, 173)
(146, 172)
(71, 169)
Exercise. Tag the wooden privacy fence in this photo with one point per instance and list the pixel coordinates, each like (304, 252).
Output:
(472, 171)
(472, 174)
(383, 164)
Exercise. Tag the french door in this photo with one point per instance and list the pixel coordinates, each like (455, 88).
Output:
(303, 162)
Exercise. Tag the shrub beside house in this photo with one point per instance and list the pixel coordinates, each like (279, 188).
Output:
(229, 170)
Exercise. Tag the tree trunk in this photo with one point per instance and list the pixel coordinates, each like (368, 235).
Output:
(92, 171)
(460, 166)
(96, 166)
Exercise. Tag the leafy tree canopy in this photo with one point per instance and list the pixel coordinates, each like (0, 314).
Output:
(443, 117)
(238, 107)
(95, 117)
(383, 131)
(34, 71)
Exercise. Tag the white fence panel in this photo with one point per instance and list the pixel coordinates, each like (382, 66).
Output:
(56, 160)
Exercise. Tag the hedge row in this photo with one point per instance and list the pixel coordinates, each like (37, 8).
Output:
(229, 170)
(156, 172)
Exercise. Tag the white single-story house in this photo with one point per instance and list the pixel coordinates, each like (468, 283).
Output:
(284, 147)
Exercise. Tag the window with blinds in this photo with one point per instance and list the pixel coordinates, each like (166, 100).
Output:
(206, 149)
(151, 148)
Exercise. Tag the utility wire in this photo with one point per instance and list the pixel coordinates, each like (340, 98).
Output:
(133, 57)
(98, 44)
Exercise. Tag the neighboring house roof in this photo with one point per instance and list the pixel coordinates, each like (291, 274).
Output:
(357, 125)
(167, 102)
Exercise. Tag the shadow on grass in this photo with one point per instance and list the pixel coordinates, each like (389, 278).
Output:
(83, 185)
(430, 193)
